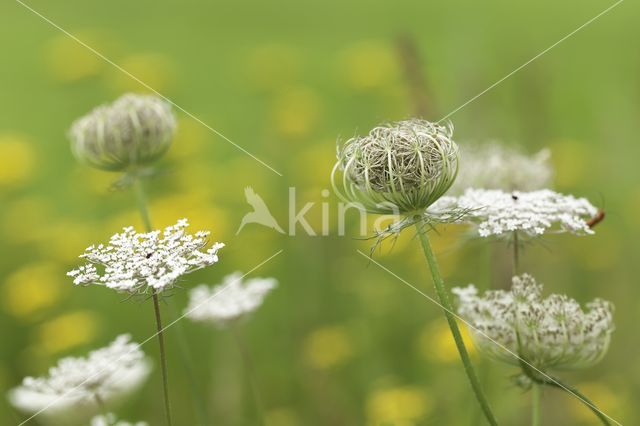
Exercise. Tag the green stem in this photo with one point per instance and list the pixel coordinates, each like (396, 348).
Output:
(556, 383)
(144, 212)
(536, 390)
(249, 371)
(187, 361)
(516, 253)
(163, 358)
(455, 331)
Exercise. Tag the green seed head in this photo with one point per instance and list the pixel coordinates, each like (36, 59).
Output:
(134, 130)
(403, 167)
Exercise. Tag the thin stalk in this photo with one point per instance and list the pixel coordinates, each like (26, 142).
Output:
(536, 391)
(453, 326)
(187, 362)
(100, 403)
(516, 253)
(247, 363)
(144, 212)
(163, 358)
(571, 390)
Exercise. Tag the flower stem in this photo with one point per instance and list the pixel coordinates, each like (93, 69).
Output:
(249, 371)
(453, 326)
(556, 383)
(516, 253)
(536, 390)
(163, 358)
(144, 212)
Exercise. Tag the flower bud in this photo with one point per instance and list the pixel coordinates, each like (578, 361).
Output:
(400, 168)
(134, 130)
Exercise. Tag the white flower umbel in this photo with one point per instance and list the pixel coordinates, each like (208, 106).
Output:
(110, 419)
(229, 301)
(137, 263)
(497, 166)
(78, 388)
(549, 333)
(496, 212)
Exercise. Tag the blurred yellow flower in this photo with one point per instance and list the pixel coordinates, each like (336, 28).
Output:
(66, 240)
(328, 347)
(166, 210)
(314, 163)
(190, 139)
(32, 288)
(398, 406)
(435, 342)
(368, 65)
(24, 218)
(603, 397)
(155, 70)
(67, 331)
(281, 417)
(295, 112)
(68, 60)
(570, 162)
(272, 66)
(17, 160)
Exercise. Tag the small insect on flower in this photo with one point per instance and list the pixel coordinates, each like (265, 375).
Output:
(133, 131)
(401, 168)
(496, 212)
(230, 301)
(139, 263)
(78, 388)
(550, 333)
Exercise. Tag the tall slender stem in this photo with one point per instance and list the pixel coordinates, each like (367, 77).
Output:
(455, 331)
(249, 371)
(100, 403)
(536, 391)
(556, 383)
(516, 253)
(144, 212)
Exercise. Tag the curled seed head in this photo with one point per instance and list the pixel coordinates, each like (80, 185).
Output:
(399, 168)
(134, 130)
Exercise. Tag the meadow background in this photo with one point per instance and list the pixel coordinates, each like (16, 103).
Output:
(340, 342)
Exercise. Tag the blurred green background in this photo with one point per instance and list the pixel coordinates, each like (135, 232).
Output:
(340, 342)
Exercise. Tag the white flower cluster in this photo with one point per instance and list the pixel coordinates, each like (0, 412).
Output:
(110, 419)
(496, 166)
(550, 333)
(78, 387)
(231, 300)
(138, 262)
(496, 212)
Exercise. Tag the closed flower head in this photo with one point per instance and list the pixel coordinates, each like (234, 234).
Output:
(549, 333)
(401, 168)
(133, 131)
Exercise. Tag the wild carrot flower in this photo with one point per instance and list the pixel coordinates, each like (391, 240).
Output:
(229, 301)
(550, 333)
(498, 166)
(403, 169)
(138, 263)
(134, 130)
(396, 169)
(77, 388)
(496, 212)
